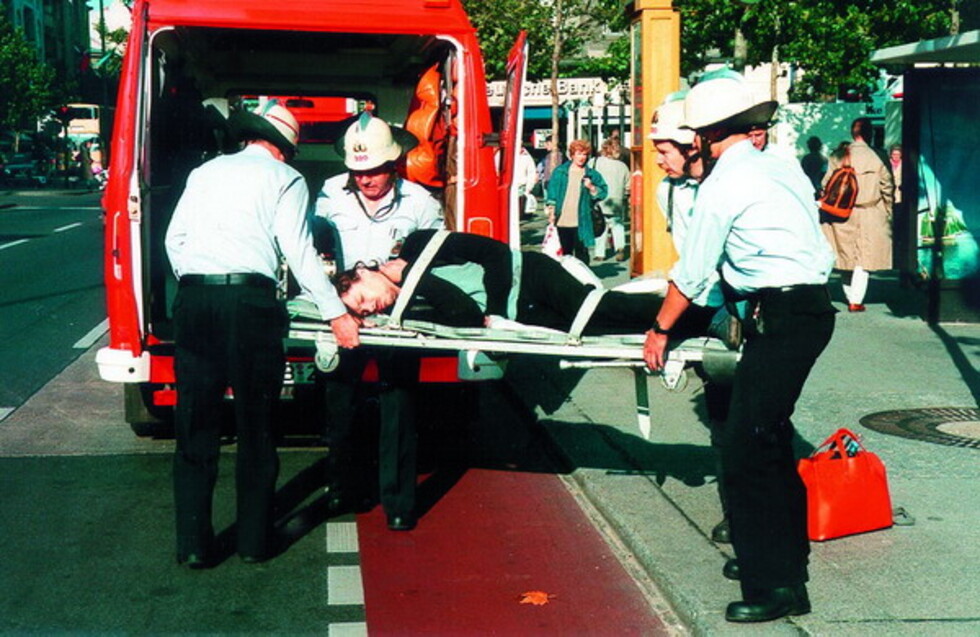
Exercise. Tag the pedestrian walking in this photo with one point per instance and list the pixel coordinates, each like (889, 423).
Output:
(572, 190)
(862, 242)
(617, 177)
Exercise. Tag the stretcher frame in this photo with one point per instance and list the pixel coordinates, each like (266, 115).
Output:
(482, 350)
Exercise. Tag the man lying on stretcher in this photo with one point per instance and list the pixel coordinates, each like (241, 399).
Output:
(473, 281)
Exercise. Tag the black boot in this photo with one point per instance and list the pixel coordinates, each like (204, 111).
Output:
(722, 532)
(768, 604)
(731, 570)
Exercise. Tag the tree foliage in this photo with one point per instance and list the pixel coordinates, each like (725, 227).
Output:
(498, 21)
(26, 92)
(497, 24)
(831, 41)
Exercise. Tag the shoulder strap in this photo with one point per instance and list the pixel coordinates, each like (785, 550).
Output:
(585, 312)
(419, 267)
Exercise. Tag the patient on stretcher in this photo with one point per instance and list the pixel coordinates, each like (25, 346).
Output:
(468, 280)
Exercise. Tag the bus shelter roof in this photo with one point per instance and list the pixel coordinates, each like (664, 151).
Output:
(962, 48)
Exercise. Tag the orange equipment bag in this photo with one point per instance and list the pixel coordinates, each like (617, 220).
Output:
(846, 488)
(424, 163)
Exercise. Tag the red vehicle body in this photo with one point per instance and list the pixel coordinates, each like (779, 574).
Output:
(331, 55)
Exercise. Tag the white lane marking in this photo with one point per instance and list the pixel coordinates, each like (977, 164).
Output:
(94, 335)
(342, 537)
(18, 207)
(6, 411)
(13, 243)
(350, 629)
(61, 229)
(344, 586)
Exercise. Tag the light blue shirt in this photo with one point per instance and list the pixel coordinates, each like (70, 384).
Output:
(404, 209)
(755, 217)
(234, 210)
(678, 208)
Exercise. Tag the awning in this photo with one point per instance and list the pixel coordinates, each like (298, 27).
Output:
(962, 48)
(541, 112)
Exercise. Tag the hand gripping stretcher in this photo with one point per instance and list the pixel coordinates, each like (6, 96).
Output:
(482, 350)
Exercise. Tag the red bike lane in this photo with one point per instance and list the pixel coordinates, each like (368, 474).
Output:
(502, 553)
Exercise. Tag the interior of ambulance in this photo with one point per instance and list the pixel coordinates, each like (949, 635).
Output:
(326, 79)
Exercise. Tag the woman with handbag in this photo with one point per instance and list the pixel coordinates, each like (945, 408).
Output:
(573, 190)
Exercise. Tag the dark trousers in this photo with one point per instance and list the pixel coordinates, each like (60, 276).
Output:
(571, 244)
(551, 297)
(766, 498)
(226, 335)
(398, 441)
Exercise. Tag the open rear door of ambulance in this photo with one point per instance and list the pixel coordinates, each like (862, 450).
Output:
(512, 126)
(125, 360)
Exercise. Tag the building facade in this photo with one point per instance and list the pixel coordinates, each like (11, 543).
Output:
(57, 29)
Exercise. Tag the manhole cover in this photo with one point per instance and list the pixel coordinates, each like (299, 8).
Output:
(941, 425)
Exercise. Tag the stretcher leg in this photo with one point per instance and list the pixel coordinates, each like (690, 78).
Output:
(642, 401)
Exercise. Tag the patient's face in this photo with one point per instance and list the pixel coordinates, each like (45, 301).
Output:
(370, 294)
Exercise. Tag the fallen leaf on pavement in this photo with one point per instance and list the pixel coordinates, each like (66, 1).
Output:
(538, 598)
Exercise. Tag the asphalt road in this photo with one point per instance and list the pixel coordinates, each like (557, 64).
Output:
(51, 293)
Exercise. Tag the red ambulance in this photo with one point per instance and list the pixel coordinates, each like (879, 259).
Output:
(333, 58)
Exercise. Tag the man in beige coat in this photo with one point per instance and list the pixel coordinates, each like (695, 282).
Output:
(863, 243)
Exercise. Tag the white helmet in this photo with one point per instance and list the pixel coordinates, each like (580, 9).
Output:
(270, 121)
(725, 99)
(667, 120)
(369, 142)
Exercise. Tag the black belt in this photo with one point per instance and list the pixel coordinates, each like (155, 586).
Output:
(250, 279)
(804, 298)
(786, 289)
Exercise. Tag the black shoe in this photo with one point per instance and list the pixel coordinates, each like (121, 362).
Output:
(401, 522)
(722, 533)
(767, 605)
(731, 570)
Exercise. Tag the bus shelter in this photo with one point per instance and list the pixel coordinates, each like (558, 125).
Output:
(937, 228)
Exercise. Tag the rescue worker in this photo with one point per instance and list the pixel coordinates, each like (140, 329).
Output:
(675, 195)
(235, 215)
(371, 210)
(755, 216)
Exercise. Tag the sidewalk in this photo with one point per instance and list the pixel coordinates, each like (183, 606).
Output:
(660, 496)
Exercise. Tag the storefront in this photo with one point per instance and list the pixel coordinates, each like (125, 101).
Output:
(589, 108)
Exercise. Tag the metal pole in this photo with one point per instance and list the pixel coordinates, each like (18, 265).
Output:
(105, 80)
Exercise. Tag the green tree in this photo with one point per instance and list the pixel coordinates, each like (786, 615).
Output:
(497, 24)
(26, 92)
(829, 40)
(556, 30)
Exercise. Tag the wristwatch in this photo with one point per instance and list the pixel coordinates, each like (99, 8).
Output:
(659, 330)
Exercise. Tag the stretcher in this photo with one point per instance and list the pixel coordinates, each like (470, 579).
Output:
(481, 349)
(482, 352)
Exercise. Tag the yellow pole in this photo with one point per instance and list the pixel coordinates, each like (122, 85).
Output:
(656, 35)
